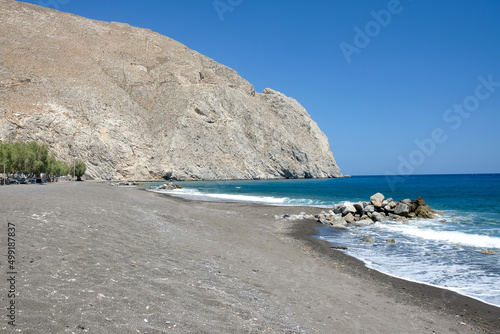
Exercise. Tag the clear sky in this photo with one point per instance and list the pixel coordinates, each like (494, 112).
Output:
(399, 87)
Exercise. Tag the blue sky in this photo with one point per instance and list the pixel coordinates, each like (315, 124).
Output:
(399, 87)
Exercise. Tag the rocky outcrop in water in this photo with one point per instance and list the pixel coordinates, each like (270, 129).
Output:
(378, 209)
(134, 104)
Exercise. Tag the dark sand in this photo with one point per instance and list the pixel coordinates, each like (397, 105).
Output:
(92, 258)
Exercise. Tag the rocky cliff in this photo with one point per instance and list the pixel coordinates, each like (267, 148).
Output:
(134, 104)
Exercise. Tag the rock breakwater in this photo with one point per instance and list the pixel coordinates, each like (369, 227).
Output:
(364, 213)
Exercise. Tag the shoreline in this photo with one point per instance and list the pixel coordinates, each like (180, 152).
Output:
(442, 299)
(108, 259)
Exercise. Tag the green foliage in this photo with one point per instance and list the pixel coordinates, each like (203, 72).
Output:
(80, 169)
(31, 158)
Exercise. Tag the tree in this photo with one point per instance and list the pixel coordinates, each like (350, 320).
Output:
(31, 158)
(80, 169)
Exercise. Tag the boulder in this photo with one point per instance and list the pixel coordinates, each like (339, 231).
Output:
(338, 221)
(369, 209)
(420, 201)
(390, 241)
(349, 218)
(423, 211)
(359, 208)
(388, 209)
(378, 216)
(402, 209)
(167, 186)
(363, 222)
(338, 208)
(367, 239)
(348, 208)
(406, 201)
(377, 200)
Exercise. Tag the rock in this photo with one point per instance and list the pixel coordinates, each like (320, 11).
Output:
(338, 208)
(407, 201)
(338, 221)
(390, 241)
(349, 218)
(413, 206)
(359, 208)
(378, 217)
(363, 222)
(487, 251)
(348, 208)
(169, 186)
(133, 104)
(420, 201)
(370, 209)
(367, 239)
(402, 219)
(439, 213)
(388, 208)
(332, 220)
(377, 200)
(324, 219)
(339, 247)
(443, 220)
(412, 215)
(423, 211)
(402, 209)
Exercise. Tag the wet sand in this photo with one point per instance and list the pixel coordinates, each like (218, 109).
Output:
(92, 258)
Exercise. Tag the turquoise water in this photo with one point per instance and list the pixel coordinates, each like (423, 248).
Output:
(445, 254)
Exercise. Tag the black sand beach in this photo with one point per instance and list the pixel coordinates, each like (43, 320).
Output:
(91, 258)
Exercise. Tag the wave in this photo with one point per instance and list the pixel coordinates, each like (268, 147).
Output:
(452, 237)
(189, 193)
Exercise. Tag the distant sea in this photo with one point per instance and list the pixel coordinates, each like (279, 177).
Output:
(445, 254)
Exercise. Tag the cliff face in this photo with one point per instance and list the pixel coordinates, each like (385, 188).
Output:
(134, 104)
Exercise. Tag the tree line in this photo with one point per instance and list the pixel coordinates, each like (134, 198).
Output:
(33, 158)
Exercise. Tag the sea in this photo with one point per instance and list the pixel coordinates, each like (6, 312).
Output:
(446, 252)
